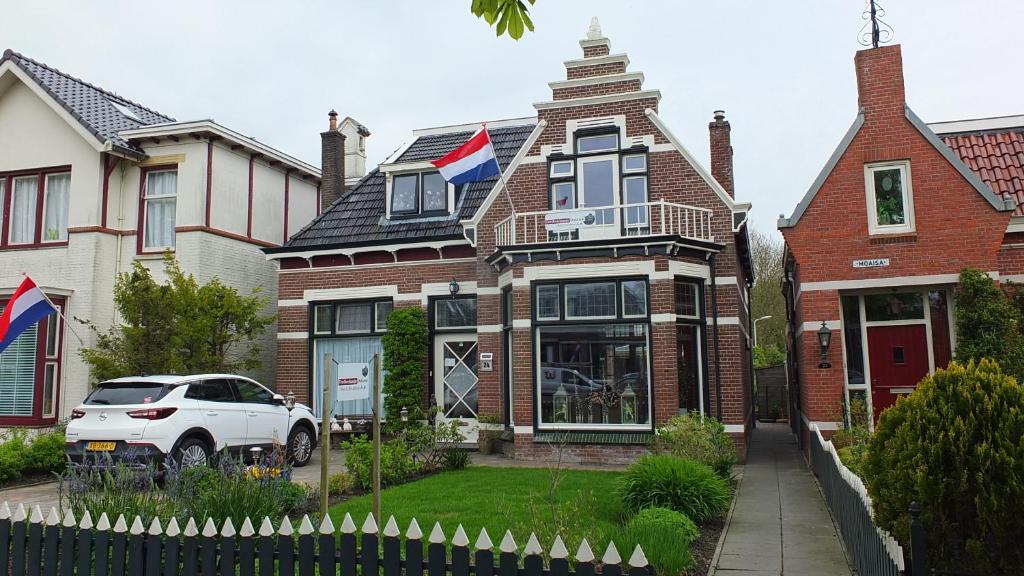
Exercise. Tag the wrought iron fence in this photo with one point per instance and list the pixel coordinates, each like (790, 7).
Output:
(63, 545)
(873, 550)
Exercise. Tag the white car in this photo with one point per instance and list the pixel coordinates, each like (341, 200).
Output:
(188, 419)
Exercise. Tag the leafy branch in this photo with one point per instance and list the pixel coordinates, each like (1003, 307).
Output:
(511, 16)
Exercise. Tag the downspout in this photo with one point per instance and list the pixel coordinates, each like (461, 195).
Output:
(120, 232)
(718, 347)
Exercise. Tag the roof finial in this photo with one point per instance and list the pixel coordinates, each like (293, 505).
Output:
(594, 32)
(875, 31)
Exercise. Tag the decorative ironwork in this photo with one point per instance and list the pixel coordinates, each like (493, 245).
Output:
(875, 31)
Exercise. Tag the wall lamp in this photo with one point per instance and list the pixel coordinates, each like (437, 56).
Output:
(824, 339)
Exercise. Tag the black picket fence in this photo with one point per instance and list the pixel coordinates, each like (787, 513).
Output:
(57, 545)
(872, 550)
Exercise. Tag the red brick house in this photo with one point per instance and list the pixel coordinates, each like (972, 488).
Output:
(602, 293)
(874, 249)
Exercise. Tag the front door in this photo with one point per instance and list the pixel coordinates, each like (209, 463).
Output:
(898, 358)
(456, 385)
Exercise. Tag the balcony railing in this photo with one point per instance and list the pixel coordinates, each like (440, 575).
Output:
(600, 223)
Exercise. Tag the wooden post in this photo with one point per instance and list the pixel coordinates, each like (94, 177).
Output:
(376, 438)
(325, 434)
(918, 566)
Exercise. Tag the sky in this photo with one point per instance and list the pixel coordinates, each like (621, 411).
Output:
(782, 71)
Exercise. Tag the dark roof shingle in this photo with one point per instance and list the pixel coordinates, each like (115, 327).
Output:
(92, 106)
(997, 157)
(358, 216)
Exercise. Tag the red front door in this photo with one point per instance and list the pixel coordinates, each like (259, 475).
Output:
(898, 360)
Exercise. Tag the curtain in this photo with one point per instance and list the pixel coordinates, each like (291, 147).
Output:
(18, 374)
(23, 210)
(55, 220)
(161, 188)
(345, 350)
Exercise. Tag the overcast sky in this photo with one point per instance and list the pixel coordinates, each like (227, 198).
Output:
(783, 71)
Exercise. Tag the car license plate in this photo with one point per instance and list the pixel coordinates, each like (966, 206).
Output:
(100, 446)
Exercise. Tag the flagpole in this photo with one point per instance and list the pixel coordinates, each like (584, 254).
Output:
(501, 173)
(59, 312)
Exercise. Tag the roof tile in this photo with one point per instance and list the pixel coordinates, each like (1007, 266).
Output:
(997, 158)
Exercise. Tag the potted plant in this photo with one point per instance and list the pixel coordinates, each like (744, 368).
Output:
(487, 437)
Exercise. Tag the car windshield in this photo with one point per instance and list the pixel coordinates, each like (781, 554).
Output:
(116, 393)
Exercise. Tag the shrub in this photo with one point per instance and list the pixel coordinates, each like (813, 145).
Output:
(405, 363)
(13, 455)
(665, 536)
(700, 438)
(455, 459)
(988, 323)
(46, 453)
(954, 446)
(396, 463)
(340, 483)
(115, 489)
(682, 485)
(432, 444)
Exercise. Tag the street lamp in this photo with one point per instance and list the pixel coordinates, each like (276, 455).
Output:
(824, 338)
(755, 327)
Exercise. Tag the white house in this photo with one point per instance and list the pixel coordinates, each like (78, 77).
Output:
(91, 182)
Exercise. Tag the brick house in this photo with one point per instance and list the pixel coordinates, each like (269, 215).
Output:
(874, 249)
(602, 293)
(90, 183)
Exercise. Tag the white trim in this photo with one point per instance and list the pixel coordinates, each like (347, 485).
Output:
(815, 326)
(509, 171)
(488, 291)
(1016, 225)
(354, 293)
(1019, 278)
(398, 167)
(725, 321)
(534, 160)
(569, 271)
(660, 318)
(602, 99)
(285, 303)
(350, 251)
(609, 59)
(822, 425)
(408, 297)
(677, 268)
(871, 197)
(177, 128)
(701, 171)
(522, 429)
(505, 279)
(441, 289)
(376, 265)
(734, 428)
(474, 126)
(597, 80)
(668, 147)
(977, 124)
(892, 281)
(292, 335)
(522, 323)
(488, 328)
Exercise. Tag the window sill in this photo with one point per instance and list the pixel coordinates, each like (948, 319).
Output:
(893, 238)
(603, 437)
(40, 246)
(152, 255)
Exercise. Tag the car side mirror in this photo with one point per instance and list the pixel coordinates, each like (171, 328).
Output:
(278, 400)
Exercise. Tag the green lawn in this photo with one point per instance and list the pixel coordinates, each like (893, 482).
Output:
(500, 499)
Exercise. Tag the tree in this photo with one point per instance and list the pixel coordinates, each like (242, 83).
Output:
(766, 295)
(405, 364)
(988, 323)
(180, 327)
(511, 16)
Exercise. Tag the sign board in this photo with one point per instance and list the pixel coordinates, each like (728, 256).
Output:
(353, 381)
(564, 220)
(486, 361)
(871, 263)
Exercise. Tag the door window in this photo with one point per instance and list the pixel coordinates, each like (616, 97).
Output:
(253, 393)
(210, 391)
(599, 187)
(459, 366)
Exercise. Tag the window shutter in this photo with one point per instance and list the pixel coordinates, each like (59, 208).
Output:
(18, 374)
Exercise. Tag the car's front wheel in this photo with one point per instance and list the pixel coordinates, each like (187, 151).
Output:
(193, 452)
(300, 446)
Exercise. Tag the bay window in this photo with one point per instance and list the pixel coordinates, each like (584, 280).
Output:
(593, 354)
(160, 197)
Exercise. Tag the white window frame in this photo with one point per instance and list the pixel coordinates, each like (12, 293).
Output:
(554, 202)
(377, 326)
(145, 212)
(569, 174)
(581, 139)
(330, 317)
(581, 187)
(874, 228)
(696, 299)
(634, 170)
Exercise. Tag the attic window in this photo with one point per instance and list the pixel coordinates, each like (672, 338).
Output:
(125, 111)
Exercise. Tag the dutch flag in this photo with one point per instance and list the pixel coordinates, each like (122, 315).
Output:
(28, 306)
(472, 162)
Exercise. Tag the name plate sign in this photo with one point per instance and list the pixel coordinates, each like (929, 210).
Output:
(871, 263)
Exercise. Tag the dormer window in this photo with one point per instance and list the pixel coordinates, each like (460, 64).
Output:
(419, 193)
(597, 143)
(889, 198)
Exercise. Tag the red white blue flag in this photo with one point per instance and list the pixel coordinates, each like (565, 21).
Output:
(472, 162)
(28, 306)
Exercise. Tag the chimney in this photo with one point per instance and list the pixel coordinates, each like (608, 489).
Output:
(880, 90)
(332, 163)
(721, 152)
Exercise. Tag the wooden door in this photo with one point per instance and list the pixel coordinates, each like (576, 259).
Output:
(898, 358)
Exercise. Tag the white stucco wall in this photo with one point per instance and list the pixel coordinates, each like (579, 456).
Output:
(231, 190)
(302, 206)
(267, 203)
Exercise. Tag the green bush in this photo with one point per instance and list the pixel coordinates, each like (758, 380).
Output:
(13, 456)
(665, 536)
(767, 356)
(954, 446)
(405, 365)
(46, 453)
(455, 459)
(700, 438)
(989, 323)
(682, 485)
(396, 463)
(340, 483)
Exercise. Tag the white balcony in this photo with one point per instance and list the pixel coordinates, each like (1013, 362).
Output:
(605, 223)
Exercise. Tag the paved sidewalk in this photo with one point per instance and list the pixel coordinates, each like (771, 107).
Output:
(780, 525)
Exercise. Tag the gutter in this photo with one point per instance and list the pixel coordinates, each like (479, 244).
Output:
(718, 347)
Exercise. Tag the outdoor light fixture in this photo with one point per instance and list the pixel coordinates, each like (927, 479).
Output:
(824, 337)
(404, 413)
(289, 401)
(453, 287)
(628, 398)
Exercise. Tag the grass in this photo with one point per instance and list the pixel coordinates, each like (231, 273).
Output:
(497, 499)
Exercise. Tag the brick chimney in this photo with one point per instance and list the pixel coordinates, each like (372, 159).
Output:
(332, 163)
(721, 152)
(880, 90)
